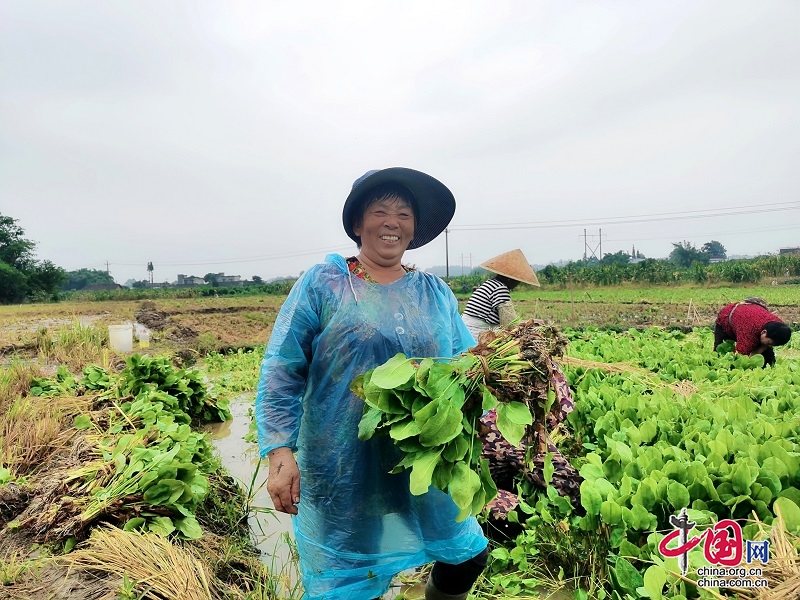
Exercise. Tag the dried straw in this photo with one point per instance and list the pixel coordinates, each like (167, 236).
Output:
(782, 571)
(31, 432)
(160, 569)
(684, 388)
(617, 368)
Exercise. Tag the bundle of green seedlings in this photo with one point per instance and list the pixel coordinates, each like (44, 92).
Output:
(141, 464)
(430, 408)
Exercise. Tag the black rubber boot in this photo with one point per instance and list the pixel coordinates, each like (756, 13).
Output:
(433, 593)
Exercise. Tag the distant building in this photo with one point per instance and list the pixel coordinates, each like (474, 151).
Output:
(223, 279)
(190, 280)
(795, 250)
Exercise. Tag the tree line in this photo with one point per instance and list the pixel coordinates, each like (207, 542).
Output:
(24, 278)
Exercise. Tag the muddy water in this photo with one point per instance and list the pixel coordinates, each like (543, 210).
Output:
(241, 460)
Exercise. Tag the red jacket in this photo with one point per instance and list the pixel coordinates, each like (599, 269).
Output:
(746, 325)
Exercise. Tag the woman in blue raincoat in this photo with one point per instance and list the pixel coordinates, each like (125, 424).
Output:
(356, 525)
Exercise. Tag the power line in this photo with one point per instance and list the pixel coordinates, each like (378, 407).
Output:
(706, 235)
(655, 217)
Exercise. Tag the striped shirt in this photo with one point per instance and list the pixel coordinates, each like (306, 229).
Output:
(484, 301)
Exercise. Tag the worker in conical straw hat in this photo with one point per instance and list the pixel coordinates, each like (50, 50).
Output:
(490, 305)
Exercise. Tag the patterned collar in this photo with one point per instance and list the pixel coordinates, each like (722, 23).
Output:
(357, 269)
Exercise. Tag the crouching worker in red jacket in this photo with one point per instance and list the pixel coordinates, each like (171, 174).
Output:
(754, 329)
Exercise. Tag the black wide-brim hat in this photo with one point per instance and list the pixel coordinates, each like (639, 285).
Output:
(433, 204)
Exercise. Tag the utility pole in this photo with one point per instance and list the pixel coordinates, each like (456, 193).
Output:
(585, 244)
(108, 274)
(593, 251)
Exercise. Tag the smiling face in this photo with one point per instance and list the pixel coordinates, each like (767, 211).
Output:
(386, 230)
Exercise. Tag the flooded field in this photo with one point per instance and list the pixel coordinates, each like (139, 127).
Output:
(59, 420)
(240, 458)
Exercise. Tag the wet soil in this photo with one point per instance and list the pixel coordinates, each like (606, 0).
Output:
(202, 325)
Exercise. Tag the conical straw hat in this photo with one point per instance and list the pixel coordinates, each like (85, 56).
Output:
(513, 265)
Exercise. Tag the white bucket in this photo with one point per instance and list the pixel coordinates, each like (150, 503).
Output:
(120, 337)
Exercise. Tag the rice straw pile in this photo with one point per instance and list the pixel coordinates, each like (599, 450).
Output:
(160, 569)
(614, 368)
(782, 571)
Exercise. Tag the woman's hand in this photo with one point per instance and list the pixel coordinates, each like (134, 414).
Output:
(283, 483)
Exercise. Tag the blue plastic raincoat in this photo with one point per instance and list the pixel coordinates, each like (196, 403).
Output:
(357, 525)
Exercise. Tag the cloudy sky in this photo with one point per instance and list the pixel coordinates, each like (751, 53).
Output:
(211, 136)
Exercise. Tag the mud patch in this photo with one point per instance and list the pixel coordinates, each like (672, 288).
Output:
(150, 317)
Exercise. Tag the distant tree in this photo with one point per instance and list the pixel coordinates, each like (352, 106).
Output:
(15, 250)
(46, 278)
(22, 277)
(685, 255)
(714, 249)
(138, 285)
(13, 284)
(618, 258)
(210, 278)
(552, 274)
(77, 280)
(257, 280)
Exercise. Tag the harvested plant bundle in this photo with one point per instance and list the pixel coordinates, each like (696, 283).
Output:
(135, 459)
(430, 408)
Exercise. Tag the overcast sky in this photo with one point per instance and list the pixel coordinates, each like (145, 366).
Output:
(211, 136)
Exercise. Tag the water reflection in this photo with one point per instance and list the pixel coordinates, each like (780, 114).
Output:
(240, 458)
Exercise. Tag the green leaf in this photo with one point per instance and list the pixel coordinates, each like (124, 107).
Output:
(394, 373)
(422, 471)
(442, 475)
(627, 576)
(189, 528)
(82, 422)
(442, 381)
(654, 579)
(678, 495)
(611, 512)
(161, 525)
(790, 513)
(489, 400)
(464, 485)
(487, 483)
(442, 427)
(165, 492)
(384, 400)
(134, 523)
(591, 472)
(590, 498)
(423, 369)
(368, 423)
(511, 421)
(548, 468)
(742, 478)
(404, 429)
(456, 449)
